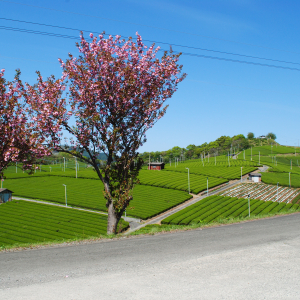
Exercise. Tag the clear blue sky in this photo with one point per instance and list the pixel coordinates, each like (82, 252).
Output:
(218, 97)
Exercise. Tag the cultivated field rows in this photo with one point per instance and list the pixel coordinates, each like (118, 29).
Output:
(263, 192)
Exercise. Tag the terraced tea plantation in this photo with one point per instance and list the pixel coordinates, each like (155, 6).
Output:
(218, 208)
(178, 180)
(269, 151)
(263, 192)
(25, 222)
(229, 173)
(88, 193)
(52, 170)
(283, 179)
(220, 161)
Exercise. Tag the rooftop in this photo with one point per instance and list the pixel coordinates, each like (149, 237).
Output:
(5, 190)
(157, 163)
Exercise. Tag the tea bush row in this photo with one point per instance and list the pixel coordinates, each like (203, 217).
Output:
(178, 180)
(216, 208)
(229, 173)
(147, 201)
(29, 222)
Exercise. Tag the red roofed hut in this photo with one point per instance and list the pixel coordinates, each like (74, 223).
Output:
(156, 166)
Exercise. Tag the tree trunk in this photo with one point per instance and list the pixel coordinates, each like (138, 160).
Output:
(112, 220)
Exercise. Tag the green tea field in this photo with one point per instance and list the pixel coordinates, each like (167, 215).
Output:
(217, 208)
(88, 193)
(25, 222)
(179, 180)
(230, 173)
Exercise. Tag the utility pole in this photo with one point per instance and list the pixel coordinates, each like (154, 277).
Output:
(75, 165)
(241, 174)
(65, 194)
(249, 205)
(207, 186)
(188, 179)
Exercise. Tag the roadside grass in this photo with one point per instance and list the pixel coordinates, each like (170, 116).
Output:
(33, 245)
(164, 228)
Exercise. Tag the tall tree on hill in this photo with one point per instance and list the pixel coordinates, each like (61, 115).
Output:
(250, 135)
(117, 92)
(19, 138)
(271, 135)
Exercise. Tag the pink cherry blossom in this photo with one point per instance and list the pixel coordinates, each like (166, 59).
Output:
(117, 91)
(18, 134)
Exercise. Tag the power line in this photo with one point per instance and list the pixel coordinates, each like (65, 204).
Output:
(164, 43)
(149, 26)
(40, 32)
(241, 87)
(188, 79)
(183, 53)
(240, 61)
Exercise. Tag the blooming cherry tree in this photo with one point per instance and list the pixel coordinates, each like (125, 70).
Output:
(117, 90)
(19, 137)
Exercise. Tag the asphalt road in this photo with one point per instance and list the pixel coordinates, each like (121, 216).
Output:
(253, 260)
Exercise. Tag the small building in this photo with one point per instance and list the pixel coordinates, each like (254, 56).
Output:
(255, 177)
(5, 195)
(156, 166)
(262, 137)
